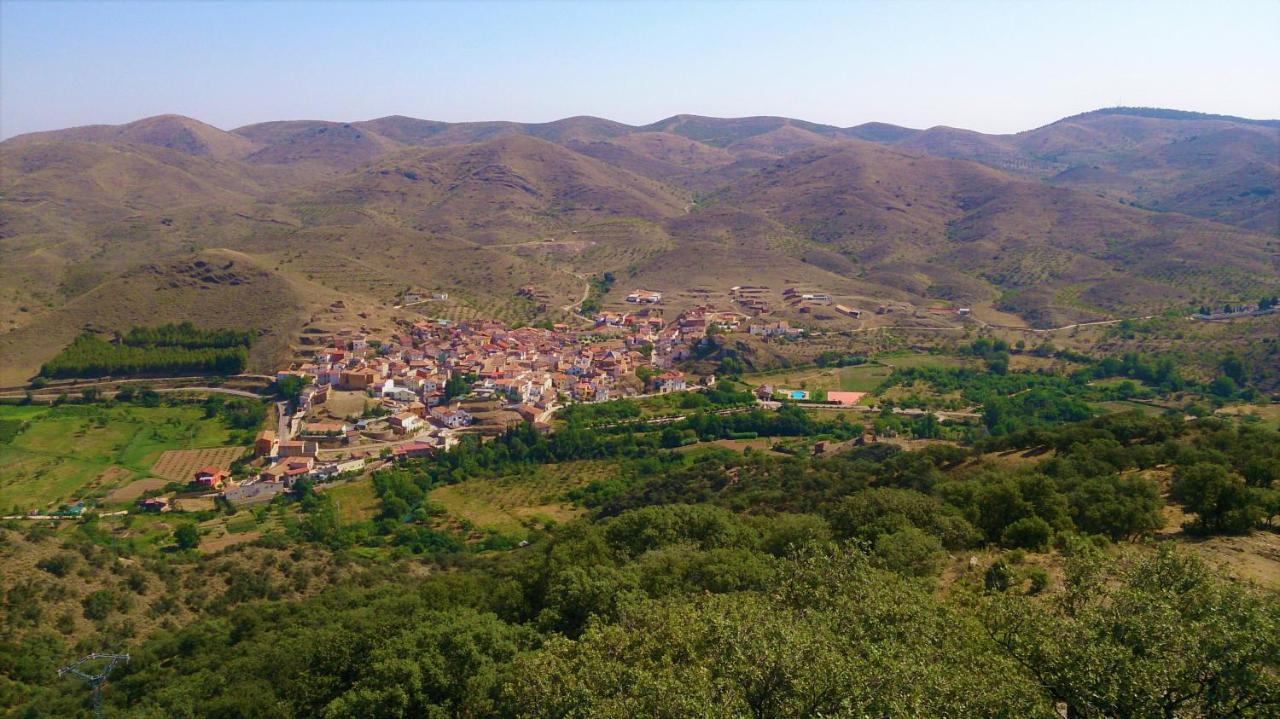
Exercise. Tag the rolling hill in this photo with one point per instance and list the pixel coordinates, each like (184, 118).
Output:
(1216, 167)
(173, 132)
(1105, 214)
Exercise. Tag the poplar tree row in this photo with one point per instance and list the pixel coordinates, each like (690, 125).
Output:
(91, 356)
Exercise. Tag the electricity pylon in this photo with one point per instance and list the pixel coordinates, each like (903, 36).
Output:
(95, 680)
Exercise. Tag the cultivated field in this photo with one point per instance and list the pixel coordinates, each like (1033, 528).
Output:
(508, 504)
(133, 491)
(180, 464)
(859, 378)
(863, 378)
(59, 454)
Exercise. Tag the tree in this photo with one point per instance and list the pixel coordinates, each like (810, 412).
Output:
(909, 551)
(290, 386)
(644, 373)
(1223, 503)
(868, 514)
(1027, 533)
(830, 641)
(456, 386)
(1224, 387)
(1154, 635)
(1233, 367)
(99, 605)
(1120, 507)
(731, 366)
(998, 576)
(187, 536)
(449, 663)
(926, 426)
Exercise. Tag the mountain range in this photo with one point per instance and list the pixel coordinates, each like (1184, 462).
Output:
(1110, 213)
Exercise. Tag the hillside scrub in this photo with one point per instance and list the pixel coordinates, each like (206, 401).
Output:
(614, 620)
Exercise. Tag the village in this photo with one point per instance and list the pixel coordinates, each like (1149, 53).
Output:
(365, 399)
(359, 397)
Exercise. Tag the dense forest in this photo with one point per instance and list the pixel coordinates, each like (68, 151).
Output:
(166, 349)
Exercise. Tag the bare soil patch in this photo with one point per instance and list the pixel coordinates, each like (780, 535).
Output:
(194, 504)
(134, 490)
(213, 543)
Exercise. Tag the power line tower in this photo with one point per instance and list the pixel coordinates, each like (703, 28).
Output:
(93, 671)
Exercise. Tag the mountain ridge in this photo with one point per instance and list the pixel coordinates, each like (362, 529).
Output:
(1108, 214)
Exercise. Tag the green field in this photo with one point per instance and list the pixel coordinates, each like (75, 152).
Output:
(1122, 405)
(918, 359)
(857, 378)
(862, 378)
(355, 499)
(72, 452)
(509, 503)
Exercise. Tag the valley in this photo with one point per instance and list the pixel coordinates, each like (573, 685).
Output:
(409, 416)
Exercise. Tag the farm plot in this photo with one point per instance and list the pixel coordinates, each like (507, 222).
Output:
(508, 503)
(180, 464)
(132, 491)
(818, 380)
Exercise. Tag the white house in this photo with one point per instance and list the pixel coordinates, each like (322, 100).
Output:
(453, 419)
(401, 394)
(672, 381)
(406, 422)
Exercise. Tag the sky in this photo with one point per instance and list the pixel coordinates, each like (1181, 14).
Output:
(987, 66)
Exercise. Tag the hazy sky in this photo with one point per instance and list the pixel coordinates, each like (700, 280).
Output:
(990, 66)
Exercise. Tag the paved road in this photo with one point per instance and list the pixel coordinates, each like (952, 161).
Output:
(58, 516)
(215, 390)
(668, 419)
(209, 390)
(908, 411)
(78, 384)
(282, 425)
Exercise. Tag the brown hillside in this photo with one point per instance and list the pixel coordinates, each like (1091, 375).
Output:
(97, 223)
(1223, 169)
(662, 156)
(411, 131)
(781, 141)
(992, 150)
(508, 190)
(888, 208)
(173, 132)
(214, 289)
(879, 132)
(723, 132)
(334, 145)
(74, 213)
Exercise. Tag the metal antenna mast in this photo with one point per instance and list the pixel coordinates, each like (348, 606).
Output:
(95, 681)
